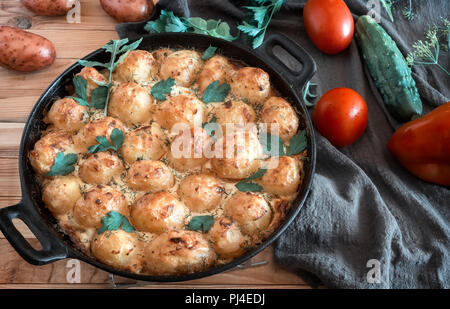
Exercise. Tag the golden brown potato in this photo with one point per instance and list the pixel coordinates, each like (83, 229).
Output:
(139, 67)
(201, 192)
(92, 76)
(96, 203)
(119, 249)
(234, 112)
(49, 7)
(160, 55)
(61, 194)
(250, 210)
(150, 175)
(125, 11)
(226, 238)
(101, 168)
(86, 137)
(24, 51)
(145, 143)
(216, 68)
(187, 150)
(180, 109)
(182, 65)
(280, 118)
(237, 154)
(252, 84)
(158, 212)
(131, 103)
(178, 252)
(47, 148)
(66, 114)
(284, 179)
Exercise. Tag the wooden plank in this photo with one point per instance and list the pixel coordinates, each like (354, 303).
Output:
(9, 177)
(15, 270)
(16, 108)
(10, 135)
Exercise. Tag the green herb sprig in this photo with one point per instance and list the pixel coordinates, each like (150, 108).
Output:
(427, 52)
(115, 48)
(98, 95)
(168, 22)
(248, 185)
(256, 22)
(113, 221)
(63, 164)
(201, 223)
(117, 138)
(209, 52)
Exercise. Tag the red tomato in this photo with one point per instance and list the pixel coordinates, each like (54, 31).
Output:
(329, 24)
(341, 116)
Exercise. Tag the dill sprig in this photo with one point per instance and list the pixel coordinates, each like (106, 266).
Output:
(427, 52)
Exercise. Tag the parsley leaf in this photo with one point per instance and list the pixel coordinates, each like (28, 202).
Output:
(113, 221)
(247, 185)
(297, 144)
(258, 18)
(161, 88)
(211, 127)
(80, 85)
(168, 22)
(209, 52)
(266, 140)
(117, 139)
(100, 96)
(214, 93)
(201, 223)
(63, 164)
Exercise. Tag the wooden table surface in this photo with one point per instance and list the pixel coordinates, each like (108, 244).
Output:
(18, 94)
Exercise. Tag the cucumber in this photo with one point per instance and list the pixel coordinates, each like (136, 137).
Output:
(389, 70)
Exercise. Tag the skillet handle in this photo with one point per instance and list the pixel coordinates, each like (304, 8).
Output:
(52, 249)
(297, 80)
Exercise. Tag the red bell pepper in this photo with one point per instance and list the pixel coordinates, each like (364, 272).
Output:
(422, 146)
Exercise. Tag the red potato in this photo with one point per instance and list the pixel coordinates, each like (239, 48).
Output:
(49, 7)
(24, 51)
(128, 10)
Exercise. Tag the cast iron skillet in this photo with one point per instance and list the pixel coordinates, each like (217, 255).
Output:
(31, 210)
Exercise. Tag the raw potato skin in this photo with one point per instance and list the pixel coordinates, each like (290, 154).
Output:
(119, 249)
(101, 168)
(128, 10)
(149, 175)
(158, 212)
(201, 192)
(49, 7)
(226, 238)
(145, 143)
(66, 114)
(24, 51)
(61, 194)
(178, 252)
(42, 157)
(96, 203)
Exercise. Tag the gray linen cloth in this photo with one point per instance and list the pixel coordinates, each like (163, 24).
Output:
(363, 205)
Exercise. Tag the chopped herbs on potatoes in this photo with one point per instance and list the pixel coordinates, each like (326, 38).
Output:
(248, 185)
(168, 22)
(63, 164)
(216, 93)
(100, 96)
(297, 144)
(117, 138)
(113, 221)
(201, 223)
(161, 88)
